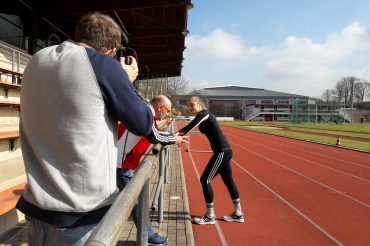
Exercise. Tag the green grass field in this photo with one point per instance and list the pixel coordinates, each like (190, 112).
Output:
(329, 132)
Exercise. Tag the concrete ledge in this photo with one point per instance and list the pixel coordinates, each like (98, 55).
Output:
(13, 182)
(12, 172)
(9, 219)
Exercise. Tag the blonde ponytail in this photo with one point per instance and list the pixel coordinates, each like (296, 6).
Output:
(198, 100)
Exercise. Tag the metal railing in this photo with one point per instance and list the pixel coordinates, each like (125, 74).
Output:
(164, 161)
(110, 227)
(158, 197)
(13, 59)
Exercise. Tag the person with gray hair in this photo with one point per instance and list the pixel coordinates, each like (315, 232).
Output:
(73, 95)
(131, 148)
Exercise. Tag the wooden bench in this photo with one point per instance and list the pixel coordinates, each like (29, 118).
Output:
(9, 214)
(9, 86)
(10, 103)
(9, 134)
(9, 197)
(12, 136)
(16, 76)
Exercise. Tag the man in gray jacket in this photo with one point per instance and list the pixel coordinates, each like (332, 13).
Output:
(72, 96)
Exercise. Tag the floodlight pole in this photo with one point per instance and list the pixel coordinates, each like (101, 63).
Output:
(352, 91)
(315, 111)
(344, 113)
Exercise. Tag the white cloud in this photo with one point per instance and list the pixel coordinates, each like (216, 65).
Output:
(198, 84)
(362, 73)
(304, 51)
(306, 67)
(219, 45)
(299, 65)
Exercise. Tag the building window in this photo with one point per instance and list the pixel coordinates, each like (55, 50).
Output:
(283, 101)
(267, 101)
(249, 102)
(183, 102)
(226, 108)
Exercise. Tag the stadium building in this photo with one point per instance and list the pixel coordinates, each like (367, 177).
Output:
(245, 103)
(254, 104)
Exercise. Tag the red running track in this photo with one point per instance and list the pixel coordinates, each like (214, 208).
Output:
(292, 192)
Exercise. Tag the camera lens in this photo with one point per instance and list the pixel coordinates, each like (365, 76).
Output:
(128, 60)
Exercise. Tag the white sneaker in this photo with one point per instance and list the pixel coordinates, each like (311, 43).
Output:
(205, 220)
(234, 218)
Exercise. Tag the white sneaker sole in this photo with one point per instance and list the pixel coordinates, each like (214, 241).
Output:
(200, 222)
(233, 220)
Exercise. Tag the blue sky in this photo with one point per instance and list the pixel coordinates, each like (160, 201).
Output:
(302, 46)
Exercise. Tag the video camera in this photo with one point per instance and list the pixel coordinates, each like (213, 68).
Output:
(125, 51)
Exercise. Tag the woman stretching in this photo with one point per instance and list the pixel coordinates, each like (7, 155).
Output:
(218, 164)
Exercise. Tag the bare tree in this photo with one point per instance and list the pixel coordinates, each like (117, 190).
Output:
(177, 85)
(327, 96)
(195, 91)
(360, 90)
(348, 86)
(343, 90)
(338, 92)
(347, 91)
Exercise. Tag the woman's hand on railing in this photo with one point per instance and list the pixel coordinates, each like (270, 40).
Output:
(181, 139)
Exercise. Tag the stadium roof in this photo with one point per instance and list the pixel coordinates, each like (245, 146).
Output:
(156, 28)
(240, 91)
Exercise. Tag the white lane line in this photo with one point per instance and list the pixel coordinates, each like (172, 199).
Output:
(291, 206)
(333, 150)
(313, 180)
(293, 146)
(306, 160)
(219, 231)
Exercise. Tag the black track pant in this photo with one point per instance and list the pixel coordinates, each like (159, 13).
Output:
(219, 164)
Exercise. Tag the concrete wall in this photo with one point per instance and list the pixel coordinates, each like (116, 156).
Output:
(9, 116)
(355, 115)
(6, 153)
(12, 95)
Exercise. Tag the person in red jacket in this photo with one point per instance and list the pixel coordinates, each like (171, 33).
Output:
(131, 148)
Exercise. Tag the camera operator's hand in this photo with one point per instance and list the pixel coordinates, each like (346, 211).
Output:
(132, 70)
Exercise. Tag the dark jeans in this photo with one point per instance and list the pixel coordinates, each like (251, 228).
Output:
(123, 177)
(40, 233)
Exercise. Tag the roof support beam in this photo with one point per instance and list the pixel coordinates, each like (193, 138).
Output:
(53, 8)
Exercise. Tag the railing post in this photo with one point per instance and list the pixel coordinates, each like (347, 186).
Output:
(166, 160)
(158, 192)
(143, 216)
(19, 62)
(162, 159)
(13, 67)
